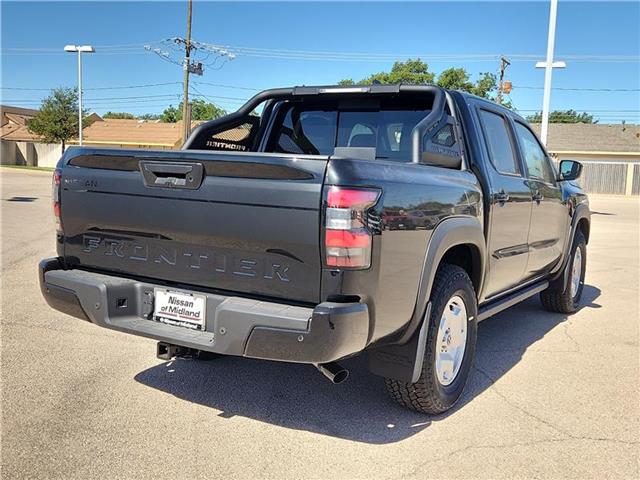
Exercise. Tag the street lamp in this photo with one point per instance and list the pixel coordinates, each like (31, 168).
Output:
(548, 66)
(80, 49)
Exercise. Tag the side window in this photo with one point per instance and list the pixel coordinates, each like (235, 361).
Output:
(394, 135)
(538, 166)
(497, 137)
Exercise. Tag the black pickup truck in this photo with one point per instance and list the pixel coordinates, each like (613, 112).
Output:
(316, 223)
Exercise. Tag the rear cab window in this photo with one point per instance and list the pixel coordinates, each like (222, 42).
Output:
(317, 128)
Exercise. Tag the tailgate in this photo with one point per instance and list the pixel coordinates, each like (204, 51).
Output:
(244, 223)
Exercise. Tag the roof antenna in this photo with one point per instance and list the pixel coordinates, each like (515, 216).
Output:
(376, 82)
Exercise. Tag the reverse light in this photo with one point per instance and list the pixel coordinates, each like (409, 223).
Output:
(347, 238)
(55, 197)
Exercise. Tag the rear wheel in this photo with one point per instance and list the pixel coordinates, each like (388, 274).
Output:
(450, 348)
(567, 299)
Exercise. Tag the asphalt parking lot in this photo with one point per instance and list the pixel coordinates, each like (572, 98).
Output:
(550, 396)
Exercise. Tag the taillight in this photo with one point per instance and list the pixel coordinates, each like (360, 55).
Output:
(55, 197)
(347, 240)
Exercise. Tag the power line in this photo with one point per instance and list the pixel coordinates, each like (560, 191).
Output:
(332, 55)
(148, 85)
(98, 88)
(98, 52)
(368, 56)
(50, 49)
(236, 87)
(588, 110)
(115, 98)
(579, 89)
(229, 86)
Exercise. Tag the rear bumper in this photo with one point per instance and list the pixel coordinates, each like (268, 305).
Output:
(235, 325)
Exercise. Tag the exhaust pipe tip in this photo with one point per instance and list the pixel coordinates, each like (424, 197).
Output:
(333, 371)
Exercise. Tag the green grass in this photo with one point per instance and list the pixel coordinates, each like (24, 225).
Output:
(27, 167)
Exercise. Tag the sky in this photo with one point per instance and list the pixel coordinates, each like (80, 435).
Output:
(600, 42)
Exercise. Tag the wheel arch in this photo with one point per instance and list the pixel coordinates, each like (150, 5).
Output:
(584, 226)
(580, 222)
(468, 257)
(456, 240)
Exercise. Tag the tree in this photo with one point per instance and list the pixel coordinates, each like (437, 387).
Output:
(119, 115)
(416, 72)
(563, 116)
(455, 79)
(57, 119)
(200, 110)
(171, 114)
(149, 116)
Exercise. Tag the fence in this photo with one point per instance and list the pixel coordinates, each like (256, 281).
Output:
(621, 178)
(30, 153)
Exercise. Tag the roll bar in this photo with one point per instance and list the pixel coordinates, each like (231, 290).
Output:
(423, 127)
(427, 124)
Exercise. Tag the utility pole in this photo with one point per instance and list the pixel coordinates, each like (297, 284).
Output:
(186, 111)
(80, 49)
(504, 63)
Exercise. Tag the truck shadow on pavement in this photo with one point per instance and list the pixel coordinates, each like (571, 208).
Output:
(299, 397)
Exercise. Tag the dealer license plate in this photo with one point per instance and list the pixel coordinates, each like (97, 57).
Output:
(179, 308)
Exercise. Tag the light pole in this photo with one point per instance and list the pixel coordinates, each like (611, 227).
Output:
(80, 49)
(186, 111)
(548, 66)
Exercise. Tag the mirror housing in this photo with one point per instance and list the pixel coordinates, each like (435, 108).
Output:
(569, 170)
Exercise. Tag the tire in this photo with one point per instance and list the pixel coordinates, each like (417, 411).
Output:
(564, 298)
(430, 394)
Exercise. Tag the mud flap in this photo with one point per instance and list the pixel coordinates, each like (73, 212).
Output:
(402, 362)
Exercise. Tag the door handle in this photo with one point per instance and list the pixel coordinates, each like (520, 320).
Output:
(501, 197)
(538, 197)
(174, 175)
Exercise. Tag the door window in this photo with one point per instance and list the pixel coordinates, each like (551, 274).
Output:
(498, 142)
(538, 166)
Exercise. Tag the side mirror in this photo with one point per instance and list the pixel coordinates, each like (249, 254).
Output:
(569, 170)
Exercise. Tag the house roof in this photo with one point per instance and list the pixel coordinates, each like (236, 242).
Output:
(13, 121)
(563, 137)
(17, 133)
(113, 131)
(29, 112)
(584, 137)
(104, 131)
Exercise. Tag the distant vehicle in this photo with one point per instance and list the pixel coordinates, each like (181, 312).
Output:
(396, 220)
(284, 235)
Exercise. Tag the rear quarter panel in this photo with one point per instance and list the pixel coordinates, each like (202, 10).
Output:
(390, 285)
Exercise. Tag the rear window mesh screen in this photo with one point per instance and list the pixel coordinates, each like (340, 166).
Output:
(239, 138)
(445, 137)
